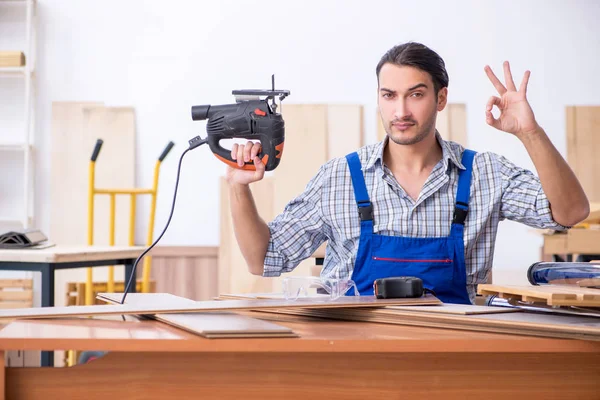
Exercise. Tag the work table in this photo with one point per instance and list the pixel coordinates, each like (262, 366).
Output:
(330, 359)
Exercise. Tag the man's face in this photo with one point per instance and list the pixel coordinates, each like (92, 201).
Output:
(408, 104)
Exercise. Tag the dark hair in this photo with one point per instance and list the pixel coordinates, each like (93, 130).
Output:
(419, 56)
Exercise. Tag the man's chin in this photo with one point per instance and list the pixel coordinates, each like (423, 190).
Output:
(406, 137)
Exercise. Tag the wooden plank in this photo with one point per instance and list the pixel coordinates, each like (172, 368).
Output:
(210, 325)
(305, 150)
(583, 123)
(551, 294)
(522, 323)
(69, 159)
(458, 123)
(12, 59)
(221, 325)
(217, 305)
(12, 295)
(16, 283)
(344, 129)
(148, 299)
(115, 167)
(445, 308)
(233, 270)
(16, 304)
(191, 273)
(460, 309)
(184, 251)
(76, 126)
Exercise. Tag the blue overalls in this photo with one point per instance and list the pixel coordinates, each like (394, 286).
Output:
(438, 261)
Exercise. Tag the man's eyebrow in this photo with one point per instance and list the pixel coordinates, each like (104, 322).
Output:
(419, 85)
(410, 89)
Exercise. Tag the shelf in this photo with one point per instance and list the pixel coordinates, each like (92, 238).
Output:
(13, 71)
(23, 146)
(13, 146)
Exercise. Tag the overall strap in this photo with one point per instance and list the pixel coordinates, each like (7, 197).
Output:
(463, 192)
(365, 208)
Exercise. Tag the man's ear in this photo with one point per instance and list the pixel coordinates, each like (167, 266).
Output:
(442, 99)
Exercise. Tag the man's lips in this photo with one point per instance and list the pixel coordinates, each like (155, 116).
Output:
(402, 125)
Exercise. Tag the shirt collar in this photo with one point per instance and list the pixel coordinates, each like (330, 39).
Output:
(448, 153)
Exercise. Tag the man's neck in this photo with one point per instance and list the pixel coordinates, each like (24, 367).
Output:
(413, 159)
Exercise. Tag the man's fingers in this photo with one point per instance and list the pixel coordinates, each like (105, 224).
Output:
(247, 150)
(510, 84)
(490, 120)
(493, 101)
(234, 151)
(495, 81)
(524, 82)
(260, 168)
(489, 117)
(255, 150)
(240, 155)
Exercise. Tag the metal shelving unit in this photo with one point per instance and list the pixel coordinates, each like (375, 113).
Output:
(24, 144)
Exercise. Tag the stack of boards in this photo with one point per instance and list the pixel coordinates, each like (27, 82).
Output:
(213, 325)
(504, 320)
(203, 317)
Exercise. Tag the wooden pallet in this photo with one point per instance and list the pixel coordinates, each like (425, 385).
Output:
(16, 293)
(552, 295)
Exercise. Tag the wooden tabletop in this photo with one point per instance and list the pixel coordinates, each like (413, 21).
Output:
(316, 335)
(58, 254)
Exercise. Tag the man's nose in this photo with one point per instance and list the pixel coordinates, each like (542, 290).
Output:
(401, 110)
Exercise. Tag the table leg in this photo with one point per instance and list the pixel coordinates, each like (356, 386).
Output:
(128, 270)
(47, 301)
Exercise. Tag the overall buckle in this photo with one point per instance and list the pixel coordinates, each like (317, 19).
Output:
(366, 212)
(460, 214)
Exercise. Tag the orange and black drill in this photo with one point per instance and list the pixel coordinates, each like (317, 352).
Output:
(249, 118)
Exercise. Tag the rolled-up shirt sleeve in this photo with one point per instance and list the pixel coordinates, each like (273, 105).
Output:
(298, 231)
(523, 198)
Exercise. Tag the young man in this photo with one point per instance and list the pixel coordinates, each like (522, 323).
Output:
(413, 204)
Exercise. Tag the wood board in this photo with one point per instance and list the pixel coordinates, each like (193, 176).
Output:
(552, 295)
(583, 142)
(520, 323)
(75, 129)
(12, 59)
(76, 126)
(344, 129)
(233, 269)
(205, 306)
(444, 308)
(215, 325)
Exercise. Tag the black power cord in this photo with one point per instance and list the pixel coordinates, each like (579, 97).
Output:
(195, 142)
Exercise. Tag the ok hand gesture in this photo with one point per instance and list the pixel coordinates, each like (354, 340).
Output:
(516, 115)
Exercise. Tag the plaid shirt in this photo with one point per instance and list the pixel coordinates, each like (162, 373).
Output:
(327, 211)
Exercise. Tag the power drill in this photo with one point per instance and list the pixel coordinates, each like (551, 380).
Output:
(249, 118)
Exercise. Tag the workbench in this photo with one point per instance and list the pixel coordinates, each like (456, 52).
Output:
(48, 260)
(330, 360)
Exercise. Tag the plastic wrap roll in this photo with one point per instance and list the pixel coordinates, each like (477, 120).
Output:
(581, 274)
